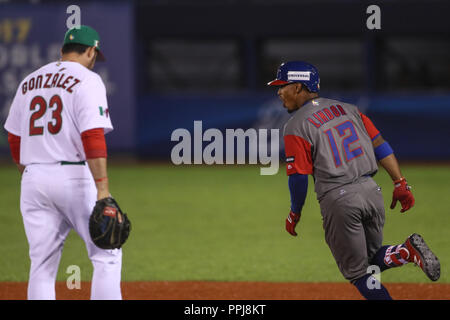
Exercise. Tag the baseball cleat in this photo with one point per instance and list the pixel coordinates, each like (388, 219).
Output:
(422, 256)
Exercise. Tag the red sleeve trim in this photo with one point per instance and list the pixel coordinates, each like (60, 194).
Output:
(14, 146)
(298, 155)
(94, 143)
(370, 127)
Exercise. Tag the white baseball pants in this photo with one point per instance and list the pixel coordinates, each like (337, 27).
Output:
(54, 199)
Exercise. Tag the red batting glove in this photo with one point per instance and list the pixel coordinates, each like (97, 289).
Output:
(291, 222)
(402, 193)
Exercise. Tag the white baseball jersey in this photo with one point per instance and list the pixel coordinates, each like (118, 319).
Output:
(52, 107)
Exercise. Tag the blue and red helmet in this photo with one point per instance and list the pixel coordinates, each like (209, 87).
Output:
(297, 71)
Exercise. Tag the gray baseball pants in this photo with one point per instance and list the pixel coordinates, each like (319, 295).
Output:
(353, 219)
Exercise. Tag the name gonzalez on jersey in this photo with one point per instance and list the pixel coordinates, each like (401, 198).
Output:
(50, 80)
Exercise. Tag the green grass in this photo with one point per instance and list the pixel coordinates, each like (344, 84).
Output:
(226, 223)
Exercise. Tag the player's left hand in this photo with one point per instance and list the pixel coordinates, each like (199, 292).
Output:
(291, 222)
(109, 227)
(402, 193)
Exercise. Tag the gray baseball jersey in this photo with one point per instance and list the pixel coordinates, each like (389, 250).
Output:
(332, 141)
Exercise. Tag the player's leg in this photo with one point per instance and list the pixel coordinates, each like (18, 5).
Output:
(414, 249)
(345, 235)
(107, 264)
(374, 219)
(372, 207)
(107, 273)
(46, 230)
(390, 256)
(387, 256)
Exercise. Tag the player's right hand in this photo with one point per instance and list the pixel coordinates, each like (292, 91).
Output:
(291, 222)
(402, 193)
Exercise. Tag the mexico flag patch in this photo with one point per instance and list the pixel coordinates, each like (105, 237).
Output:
(104, 111)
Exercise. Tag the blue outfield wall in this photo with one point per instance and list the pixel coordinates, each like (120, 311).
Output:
(35, 37)
(416, 126)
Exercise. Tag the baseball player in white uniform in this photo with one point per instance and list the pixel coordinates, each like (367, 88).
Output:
(56, 126)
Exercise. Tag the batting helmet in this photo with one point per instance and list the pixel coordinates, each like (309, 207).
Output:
(297, 71)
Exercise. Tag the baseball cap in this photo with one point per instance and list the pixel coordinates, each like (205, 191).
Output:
(84, 35)
(297, 71)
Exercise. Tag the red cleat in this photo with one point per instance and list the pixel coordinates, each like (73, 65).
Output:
(421, 255)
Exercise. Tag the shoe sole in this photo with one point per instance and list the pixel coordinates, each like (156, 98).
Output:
(430, 263)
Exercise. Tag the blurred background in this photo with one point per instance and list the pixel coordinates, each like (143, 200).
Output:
(170, 62)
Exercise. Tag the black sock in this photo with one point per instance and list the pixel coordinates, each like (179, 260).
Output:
(371, 289)
(378, 259)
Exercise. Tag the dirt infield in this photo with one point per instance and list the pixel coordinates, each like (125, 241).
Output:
(211, 290)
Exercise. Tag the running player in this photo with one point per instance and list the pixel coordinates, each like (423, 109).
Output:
(340, 147)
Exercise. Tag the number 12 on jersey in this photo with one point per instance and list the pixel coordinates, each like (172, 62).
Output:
(348, 130)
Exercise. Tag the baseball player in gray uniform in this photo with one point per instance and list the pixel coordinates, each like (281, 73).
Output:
(340, 147)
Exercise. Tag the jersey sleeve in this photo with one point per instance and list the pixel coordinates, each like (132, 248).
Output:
(91, 105)
(14, 146)
(370, 127)
(12, 124)
(298, 155)
(94, 143)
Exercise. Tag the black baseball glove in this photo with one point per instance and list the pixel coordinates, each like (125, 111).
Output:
(109, 227)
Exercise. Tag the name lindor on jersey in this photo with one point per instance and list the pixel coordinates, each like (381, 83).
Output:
(50, 80)
(326, 114)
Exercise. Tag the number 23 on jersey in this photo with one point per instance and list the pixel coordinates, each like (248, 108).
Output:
(40, 106)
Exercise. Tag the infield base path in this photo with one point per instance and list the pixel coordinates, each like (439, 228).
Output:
(212, 290)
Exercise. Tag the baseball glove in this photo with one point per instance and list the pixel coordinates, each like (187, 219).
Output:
(109, 227)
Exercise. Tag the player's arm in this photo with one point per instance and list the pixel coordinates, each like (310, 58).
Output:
(298, 188)
(385, 156)
(89, 102)
(14, 146)
(298, 166)
(383, 151)
(94, 145)
(12, 126)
